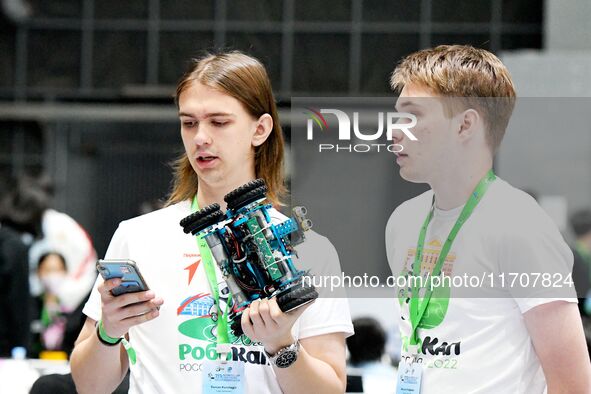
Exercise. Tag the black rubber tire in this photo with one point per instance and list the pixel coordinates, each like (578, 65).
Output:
(201, 219)
(245, 194)
(296, 296)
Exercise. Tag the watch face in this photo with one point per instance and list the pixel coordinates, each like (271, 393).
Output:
(286, 358)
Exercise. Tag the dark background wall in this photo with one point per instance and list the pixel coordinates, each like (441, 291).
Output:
(111, 49)
(85, 87)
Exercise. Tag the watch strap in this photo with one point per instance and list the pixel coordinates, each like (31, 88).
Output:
(294, 347)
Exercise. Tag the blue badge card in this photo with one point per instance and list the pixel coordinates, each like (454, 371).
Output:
(227, 378)
(409, 378)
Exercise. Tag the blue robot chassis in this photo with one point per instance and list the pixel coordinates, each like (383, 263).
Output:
(254, 254)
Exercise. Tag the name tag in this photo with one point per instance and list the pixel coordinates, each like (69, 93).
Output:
(409, 378)
(227, 377)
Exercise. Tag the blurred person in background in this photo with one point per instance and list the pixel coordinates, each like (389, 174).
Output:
(22, 207)
(25, 207)
(14, 280)
(56, 328)
(28, 208)
(52, 272)
(367, 353)
(62, 234)
(51, 326)
(581, 224)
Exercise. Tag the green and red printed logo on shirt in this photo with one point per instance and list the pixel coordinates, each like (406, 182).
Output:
(202, 326)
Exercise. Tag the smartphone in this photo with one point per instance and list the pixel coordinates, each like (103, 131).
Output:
(131, 277)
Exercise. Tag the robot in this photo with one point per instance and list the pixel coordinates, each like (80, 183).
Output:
(254, 254)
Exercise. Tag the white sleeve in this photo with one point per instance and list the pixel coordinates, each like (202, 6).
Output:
(330, 312)
(118, 249)
(538, 262)
(326, 316)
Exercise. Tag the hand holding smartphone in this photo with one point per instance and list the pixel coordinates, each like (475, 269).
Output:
(123, 311)
(132, 280)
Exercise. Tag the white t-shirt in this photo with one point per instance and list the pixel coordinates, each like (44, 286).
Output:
(172, 348)
(478, 342)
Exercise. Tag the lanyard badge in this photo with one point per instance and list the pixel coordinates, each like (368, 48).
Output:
(410, 372)
(409, 378)
(223, 340)
(416, 309)
(226, 378)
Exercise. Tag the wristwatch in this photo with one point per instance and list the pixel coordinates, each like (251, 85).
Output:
(285, 356)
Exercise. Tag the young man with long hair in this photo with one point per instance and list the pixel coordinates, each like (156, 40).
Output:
(231, 135)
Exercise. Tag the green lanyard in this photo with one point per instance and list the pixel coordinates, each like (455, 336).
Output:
(417, 311)
(208, 263)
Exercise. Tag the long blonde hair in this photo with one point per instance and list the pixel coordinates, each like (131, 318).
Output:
(244, 78)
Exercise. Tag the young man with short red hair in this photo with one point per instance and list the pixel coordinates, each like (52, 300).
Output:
(495, 338)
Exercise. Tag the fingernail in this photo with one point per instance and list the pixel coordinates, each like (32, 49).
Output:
(149, 294)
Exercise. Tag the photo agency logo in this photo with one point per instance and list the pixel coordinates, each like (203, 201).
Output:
(358, 140)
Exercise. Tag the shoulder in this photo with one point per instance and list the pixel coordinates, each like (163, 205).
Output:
(528, 239)
(8, 234)
(10, 237)
(416, 207)
(165, 217)
(514, 210)
(149, 231)
(502, 192)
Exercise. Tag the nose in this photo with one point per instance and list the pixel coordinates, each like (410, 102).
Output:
(401, 129)
(397, 136)
(202, 136)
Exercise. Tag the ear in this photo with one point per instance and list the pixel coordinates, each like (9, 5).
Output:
(264, 127)
(469, 123)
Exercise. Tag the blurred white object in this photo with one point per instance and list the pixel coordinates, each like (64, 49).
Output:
(16, 10)
(379, 378)
(47, 367)
(16, 375)
(18, 353)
